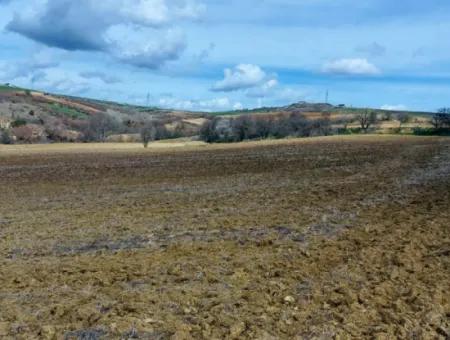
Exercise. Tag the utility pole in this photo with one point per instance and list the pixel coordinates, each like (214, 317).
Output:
(326, 97)
(148, 99)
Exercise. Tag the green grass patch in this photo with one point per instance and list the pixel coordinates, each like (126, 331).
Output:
(63, 110)
(4, 88)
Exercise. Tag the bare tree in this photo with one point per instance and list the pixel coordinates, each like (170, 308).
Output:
(243, 128)
(388, 116)
(364, 118)
(263, 127)
(403, 118)
(208, 131)
(148, 133)
(324, 124)
(441, 119)
(99, 126)
(24, 133)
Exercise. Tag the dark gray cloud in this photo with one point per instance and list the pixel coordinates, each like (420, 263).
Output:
(137, 32)
(64, 24)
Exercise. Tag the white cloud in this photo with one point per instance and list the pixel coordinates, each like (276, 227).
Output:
(265, 90)
(145, 47)
(29, 68)
(355, 66)
(104, 77)
(207, 105)
(399, 107)
(155, 13)
(242, 76)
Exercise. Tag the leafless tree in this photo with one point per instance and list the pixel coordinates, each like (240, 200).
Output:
(243, 128)
(24, 133)
(148, 133)
(324, 124)
(441, 119)
(403, 117)
(99, 126)
(208, 131)
(365, 120)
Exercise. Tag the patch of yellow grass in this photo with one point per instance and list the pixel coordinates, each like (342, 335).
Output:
(181, 144)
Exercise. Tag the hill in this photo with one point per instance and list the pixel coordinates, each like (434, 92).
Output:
(32, 116)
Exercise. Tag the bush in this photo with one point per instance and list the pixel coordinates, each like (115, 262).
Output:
(431, 132)
(244, 128)
(403, 118)
(349, 131)
(24, 133)
(99, 126)
(18, 122)
(148, 133)
(208, 131)
(247, 127)
(5, 137)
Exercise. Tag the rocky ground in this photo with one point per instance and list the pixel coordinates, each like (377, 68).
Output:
(341, 237)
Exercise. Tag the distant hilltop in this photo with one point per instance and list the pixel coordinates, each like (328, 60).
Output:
(29, 116)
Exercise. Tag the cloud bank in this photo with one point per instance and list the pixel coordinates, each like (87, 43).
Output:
(357, 66)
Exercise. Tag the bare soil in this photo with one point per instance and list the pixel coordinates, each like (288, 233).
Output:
(327, 238)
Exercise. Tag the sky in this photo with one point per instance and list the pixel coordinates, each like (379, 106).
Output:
(217, 55)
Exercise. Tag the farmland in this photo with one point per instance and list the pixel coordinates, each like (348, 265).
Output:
(330, 237)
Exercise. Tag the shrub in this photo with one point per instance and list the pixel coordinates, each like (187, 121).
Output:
(431, 132)
(148, 133)
(243, 128)
(403, 118)
(247, 127)
(5, 137)
(18, 122)
(208, 131)
(99, 126)
(24, 133)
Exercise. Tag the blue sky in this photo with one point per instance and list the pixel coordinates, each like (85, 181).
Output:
(218, 55)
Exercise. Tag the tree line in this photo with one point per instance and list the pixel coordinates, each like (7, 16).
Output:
(260, 127)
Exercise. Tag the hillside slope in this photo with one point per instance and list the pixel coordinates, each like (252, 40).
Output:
(31, 116)
(35, 116)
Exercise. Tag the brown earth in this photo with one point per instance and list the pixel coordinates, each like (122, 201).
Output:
(341, 237)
